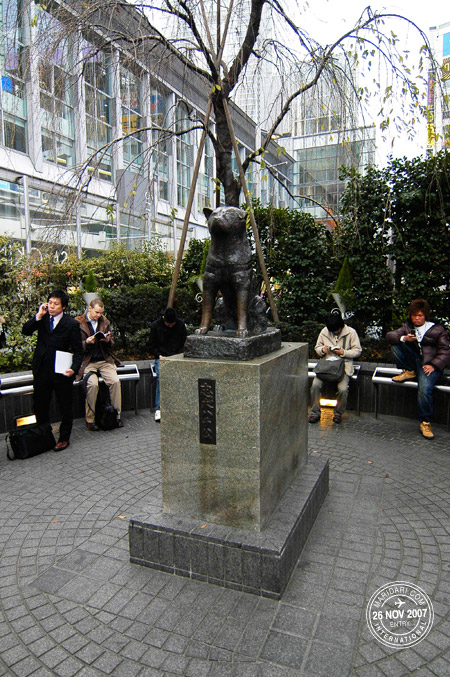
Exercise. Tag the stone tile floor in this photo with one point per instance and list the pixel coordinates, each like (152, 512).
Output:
(72, 604)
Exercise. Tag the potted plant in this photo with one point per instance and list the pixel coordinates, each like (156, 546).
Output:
(90, 287)
(342, 291)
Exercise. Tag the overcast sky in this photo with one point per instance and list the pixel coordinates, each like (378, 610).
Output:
(336, 15)
(327, 19)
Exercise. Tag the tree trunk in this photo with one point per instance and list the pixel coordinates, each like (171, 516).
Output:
(231, 185)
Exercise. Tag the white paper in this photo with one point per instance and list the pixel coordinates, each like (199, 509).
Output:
(63, 361)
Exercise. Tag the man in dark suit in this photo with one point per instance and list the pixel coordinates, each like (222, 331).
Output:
(56, 331)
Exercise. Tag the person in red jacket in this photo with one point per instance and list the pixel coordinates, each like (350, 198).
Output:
(421, 349)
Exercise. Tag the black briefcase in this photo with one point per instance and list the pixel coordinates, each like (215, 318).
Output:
(28, 441)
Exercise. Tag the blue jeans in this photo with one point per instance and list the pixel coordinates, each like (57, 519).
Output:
(157, 396)
(407, 358)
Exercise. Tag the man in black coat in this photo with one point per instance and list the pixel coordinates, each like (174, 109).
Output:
(56, 331)
(167, 337)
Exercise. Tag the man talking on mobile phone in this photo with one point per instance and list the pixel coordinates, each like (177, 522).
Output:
(98, 360)
(56, 331)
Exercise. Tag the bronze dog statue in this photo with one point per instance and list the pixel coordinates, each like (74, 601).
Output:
(228, 269)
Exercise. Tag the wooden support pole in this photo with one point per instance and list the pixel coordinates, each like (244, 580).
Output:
(187, 215)
(262, 264)
(251, 214)
(180, 251)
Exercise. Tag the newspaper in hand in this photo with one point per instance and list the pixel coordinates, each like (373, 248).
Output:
(63, 361)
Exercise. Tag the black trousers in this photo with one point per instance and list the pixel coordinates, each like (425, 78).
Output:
(45, 383)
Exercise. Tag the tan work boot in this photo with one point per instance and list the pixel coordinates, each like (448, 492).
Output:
(404, 376)
(425, 429)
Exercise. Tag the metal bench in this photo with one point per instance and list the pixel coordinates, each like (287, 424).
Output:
(383, 376)
(353, 379)
(22, 384)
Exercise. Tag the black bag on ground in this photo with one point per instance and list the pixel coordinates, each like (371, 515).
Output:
(330, 369)
(105, 415)
(29, 441)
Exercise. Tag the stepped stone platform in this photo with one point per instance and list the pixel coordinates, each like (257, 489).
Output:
(258, 563)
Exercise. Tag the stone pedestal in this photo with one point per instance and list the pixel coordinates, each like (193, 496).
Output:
(258, 563)
(239, 499)
(233, 435)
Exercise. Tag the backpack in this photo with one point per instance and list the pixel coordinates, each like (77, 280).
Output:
(106, 416)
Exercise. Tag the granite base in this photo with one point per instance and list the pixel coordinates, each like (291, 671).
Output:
(233, 435)
(258, 563)
(228, 346)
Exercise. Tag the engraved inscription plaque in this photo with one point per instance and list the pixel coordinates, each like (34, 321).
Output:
(207, 410)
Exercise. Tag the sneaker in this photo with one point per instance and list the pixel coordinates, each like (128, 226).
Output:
(425, 429)
(158, 415)
(314, 418)
(337, 418)
(404, 376)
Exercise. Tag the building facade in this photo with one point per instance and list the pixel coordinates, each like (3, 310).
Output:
(438, 137)
(98, 144)
(321, 132)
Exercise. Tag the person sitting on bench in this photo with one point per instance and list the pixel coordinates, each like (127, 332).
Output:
(99, 358)
(421, 349)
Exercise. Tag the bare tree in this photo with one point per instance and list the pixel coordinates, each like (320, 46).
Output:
(257, 32)
(263, 31)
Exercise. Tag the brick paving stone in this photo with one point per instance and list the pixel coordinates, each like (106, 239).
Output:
(296, 621)
(27, 666)
(197, 668)
(89, 653)
(284, 649)
(69, 595)
(198, 649)
(153, 657)
(68, 668)
(325, 660)
(13, 655)
(176, 644)
(108, 662)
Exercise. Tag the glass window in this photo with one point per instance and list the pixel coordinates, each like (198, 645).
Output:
(98, 91)
(205, 177)
(96, 220)
(13, 65)
(161, 164)
(56, 92)
(159, 107)
(160, 143)
(264, 186)
(184, 153)
(130, 92)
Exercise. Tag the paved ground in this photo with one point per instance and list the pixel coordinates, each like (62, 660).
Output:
(71, 604)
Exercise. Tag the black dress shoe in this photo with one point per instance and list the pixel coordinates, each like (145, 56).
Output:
(61, 446)
(119, 423)
(314, 418)
(91, 426)
(337, 418)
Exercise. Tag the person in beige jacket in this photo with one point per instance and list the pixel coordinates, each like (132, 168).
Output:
(336, 338)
